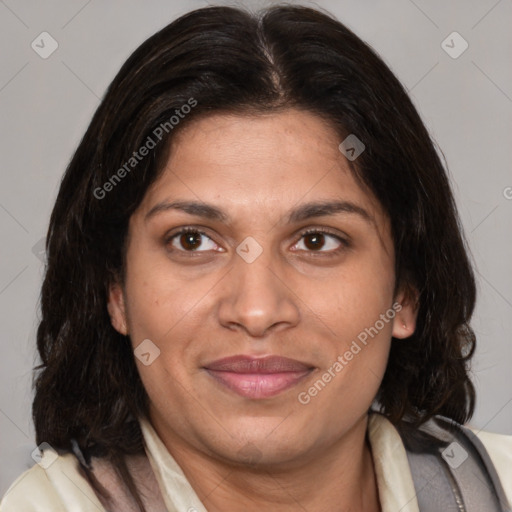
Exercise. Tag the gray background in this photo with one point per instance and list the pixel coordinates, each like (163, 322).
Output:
(46, 105)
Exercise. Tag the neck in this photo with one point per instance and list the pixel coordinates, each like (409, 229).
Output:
(339, 477)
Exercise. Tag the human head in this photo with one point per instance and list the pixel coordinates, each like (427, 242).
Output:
(227, 61)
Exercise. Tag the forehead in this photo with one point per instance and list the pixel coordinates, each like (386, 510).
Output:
(275, 144)
(254, 166)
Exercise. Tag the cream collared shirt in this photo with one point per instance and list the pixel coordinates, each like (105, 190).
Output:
(59, 486)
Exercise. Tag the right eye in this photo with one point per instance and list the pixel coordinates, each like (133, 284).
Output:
(190, 240)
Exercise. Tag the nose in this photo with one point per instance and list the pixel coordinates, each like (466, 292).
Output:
(257, 298)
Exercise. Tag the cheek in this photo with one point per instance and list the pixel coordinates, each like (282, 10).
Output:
(157, 302)
(169, 312)
(356, 306)
(352, 299)
(346, 386)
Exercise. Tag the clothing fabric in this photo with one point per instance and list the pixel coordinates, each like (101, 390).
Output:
(61, 487)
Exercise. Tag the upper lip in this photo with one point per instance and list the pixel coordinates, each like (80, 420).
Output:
(250, 364)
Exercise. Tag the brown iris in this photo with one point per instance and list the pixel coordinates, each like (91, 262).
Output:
(316, 240)
(190, 241)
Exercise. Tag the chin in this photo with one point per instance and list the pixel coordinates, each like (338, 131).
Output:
(264, 450)
(266, 458)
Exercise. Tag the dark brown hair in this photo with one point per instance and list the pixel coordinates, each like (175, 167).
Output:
(87, 387)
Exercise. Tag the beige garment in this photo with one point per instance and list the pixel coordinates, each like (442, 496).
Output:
(60, 487)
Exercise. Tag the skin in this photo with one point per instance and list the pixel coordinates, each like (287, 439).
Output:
(294, 300)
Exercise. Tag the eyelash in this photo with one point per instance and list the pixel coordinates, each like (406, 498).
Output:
(344, 244)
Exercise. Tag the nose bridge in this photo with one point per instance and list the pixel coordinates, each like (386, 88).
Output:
(252, 269)
(258, 297)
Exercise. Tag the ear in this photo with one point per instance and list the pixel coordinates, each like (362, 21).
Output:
(116, 308)
(404, 323)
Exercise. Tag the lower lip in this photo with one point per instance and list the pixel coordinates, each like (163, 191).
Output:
(258, 385)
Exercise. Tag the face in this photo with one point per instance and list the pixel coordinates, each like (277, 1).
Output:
(264, 274)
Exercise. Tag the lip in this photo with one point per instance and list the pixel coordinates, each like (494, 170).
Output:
(258, 378)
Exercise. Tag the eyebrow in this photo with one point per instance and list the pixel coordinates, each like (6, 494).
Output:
(298, 214)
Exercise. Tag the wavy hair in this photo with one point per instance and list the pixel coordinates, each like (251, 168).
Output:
(87, 388)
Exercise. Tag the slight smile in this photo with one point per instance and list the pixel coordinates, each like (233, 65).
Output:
(258, 378)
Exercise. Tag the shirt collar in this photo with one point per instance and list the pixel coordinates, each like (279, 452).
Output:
(394, 479)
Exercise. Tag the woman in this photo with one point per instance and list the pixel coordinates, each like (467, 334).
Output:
(258, 294)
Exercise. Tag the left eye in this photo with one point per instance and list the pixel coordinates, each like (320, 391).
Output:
(315, 239)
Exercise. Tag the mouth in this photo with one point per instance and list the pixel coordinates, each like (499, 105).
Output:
(258, 378)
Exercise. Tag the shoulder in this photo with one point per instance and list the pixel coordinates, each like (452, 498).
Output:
(31, 491)
(499, 448)
(53, 485)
